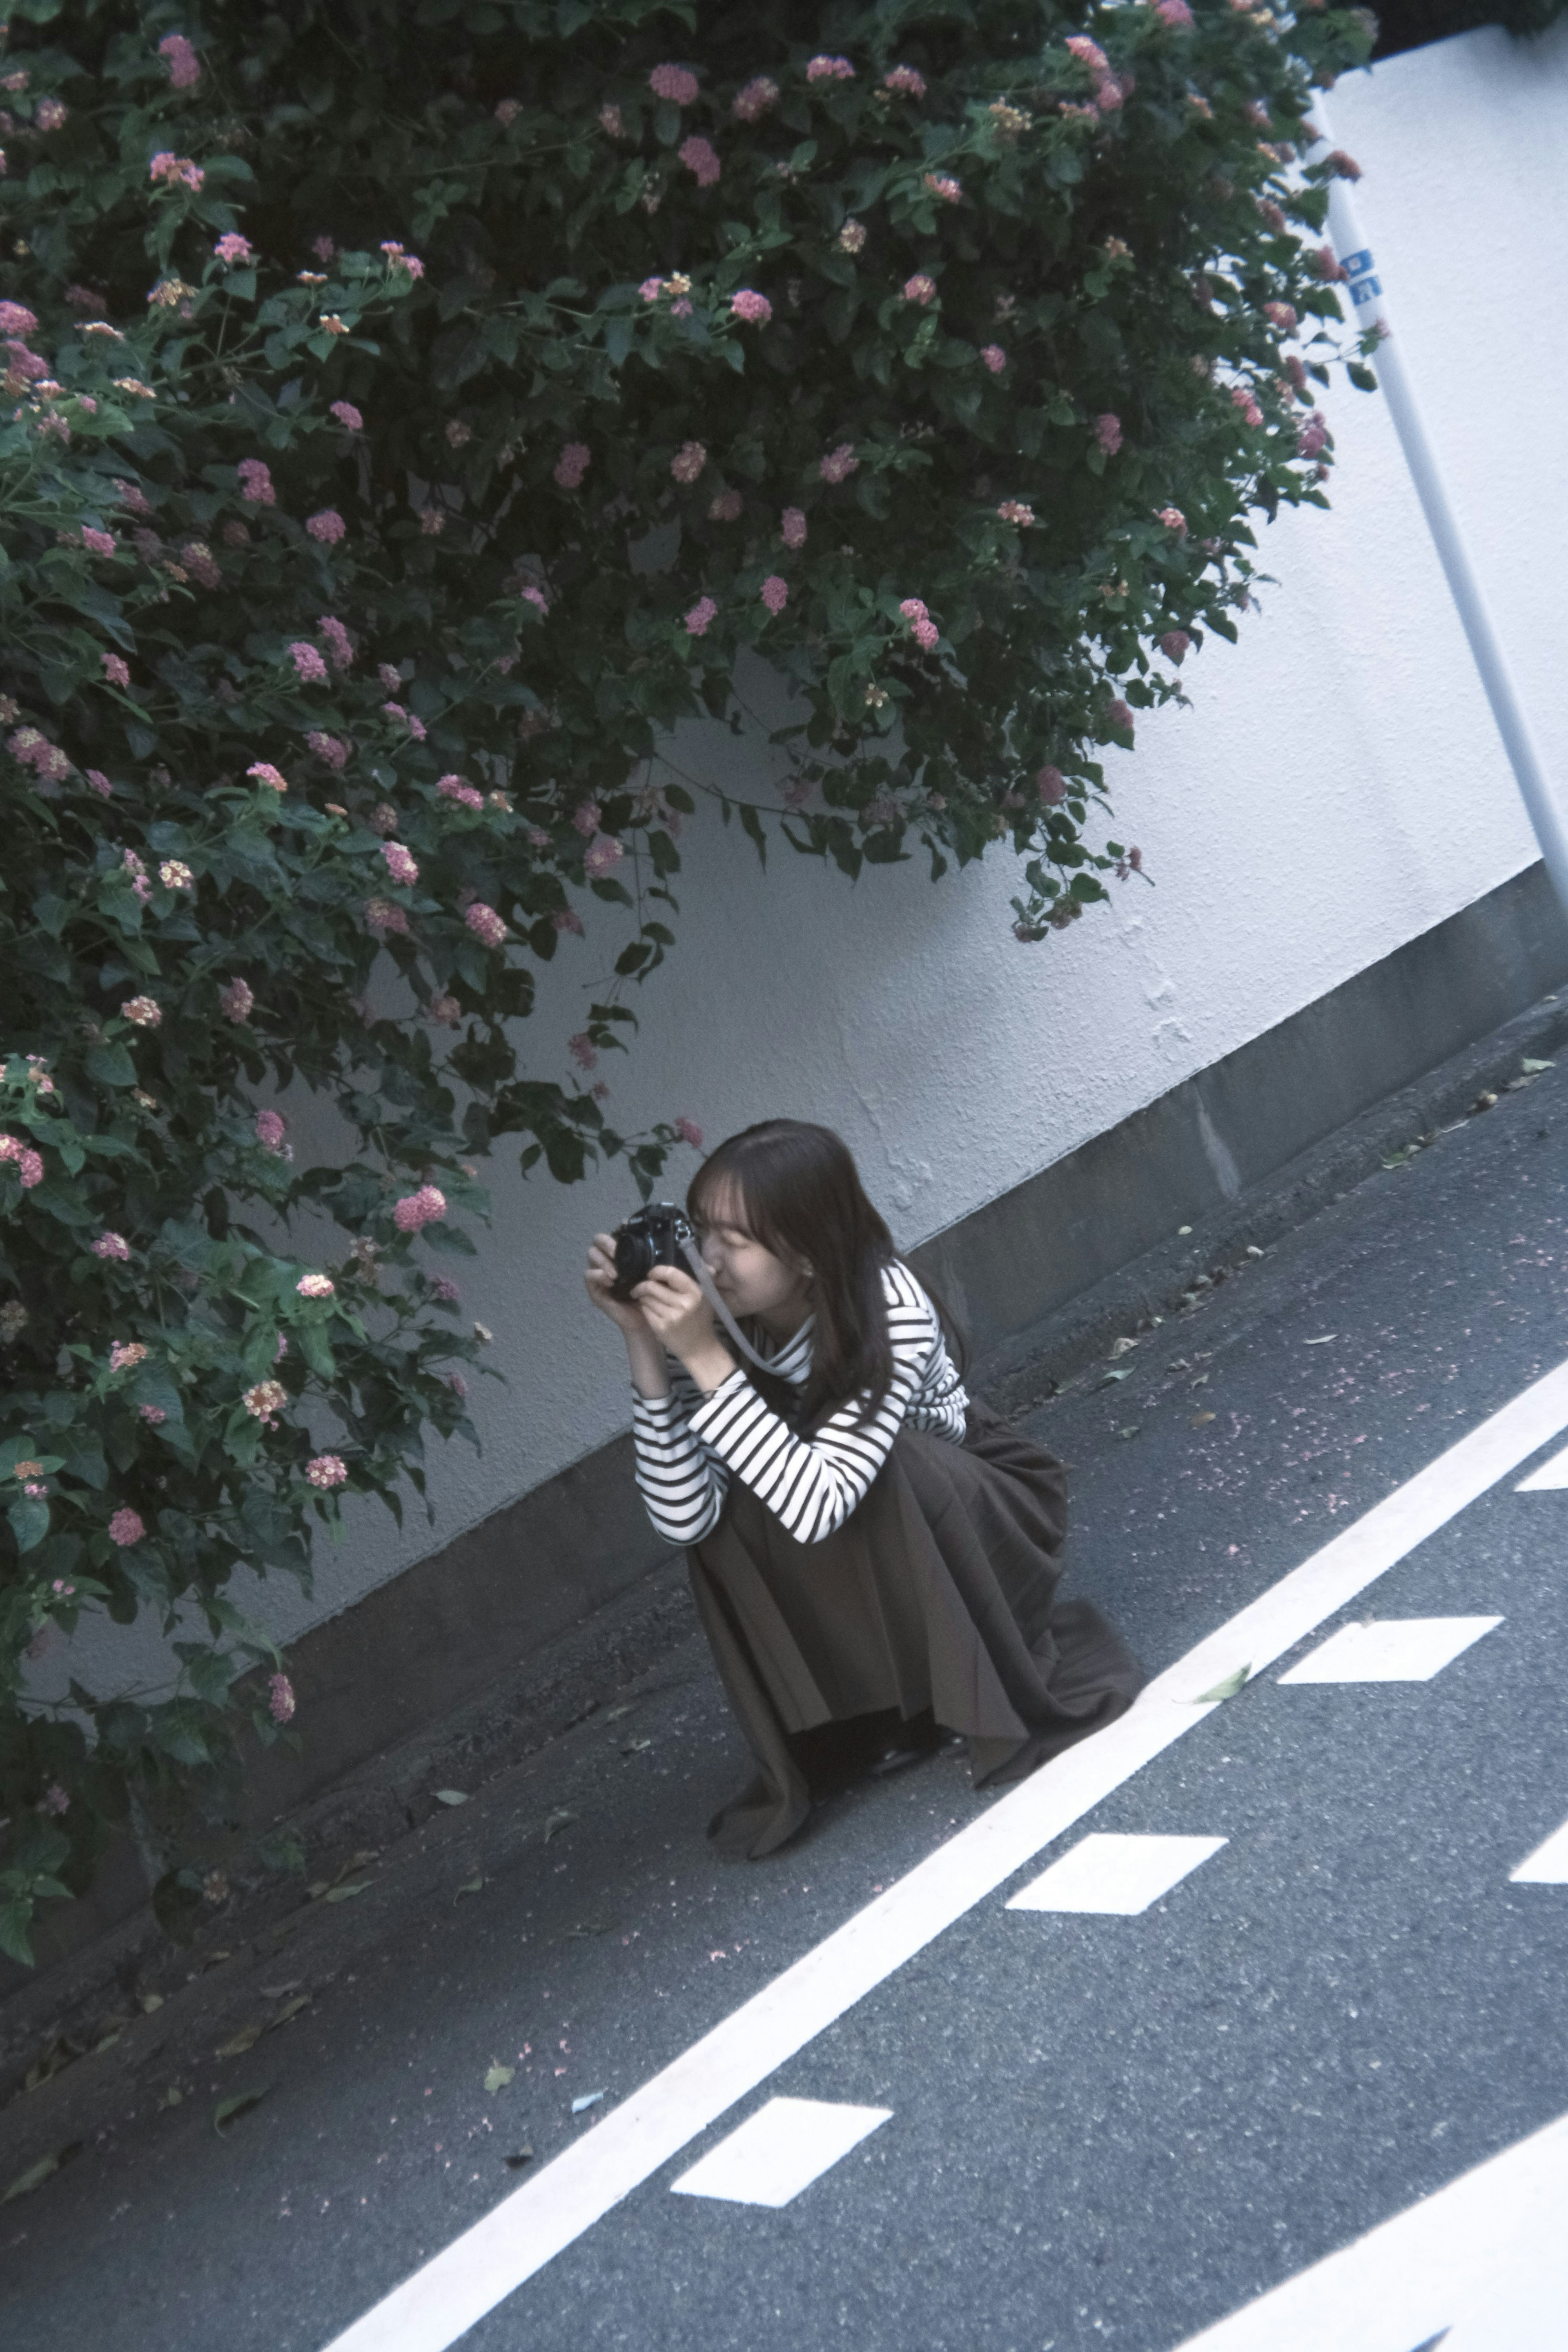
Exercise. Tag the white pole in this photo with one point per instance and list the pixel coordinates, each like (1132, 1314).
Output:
(1370, 309)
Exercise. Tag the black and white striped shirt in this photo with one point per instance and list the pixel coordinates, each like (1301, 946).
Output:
(687, 1445)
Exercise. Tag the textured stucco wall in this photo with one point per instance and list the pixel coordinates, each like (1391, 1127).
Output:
(1336, 788)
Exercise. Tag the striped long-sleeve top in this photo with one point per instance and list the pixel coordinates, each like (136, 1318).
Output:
(688, 1446)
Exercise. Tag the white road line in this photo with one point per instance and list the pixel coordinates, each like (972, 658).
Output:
(1391, 1650)
(780, 2150)
(1548, 1865)
(528, 2228)
(1551, 1474)
(1482, 2264)
(1115, 1874)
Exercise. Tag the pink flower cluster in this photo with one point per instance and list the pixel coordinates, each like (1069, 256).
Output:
(125, 1528)
(1053, 786)
(605, 854)
(328, 527)
(1280, 315)
(1013, 510)
(995, 357)
(426, 1207)
(339, 646)
(175, 171)
(582, 1050)
(110, 1245)
(27, 1162)
(1175, 15)
(839, 464)
(755, 308)
(175, 874)
(1241, 397)
(690, 1130)
(266, 1401)
(309, 667)
(750, 104)
(701, 159)
(1089, 53)
(920, 289)
(398, 260)
(266, 773)
(774, 592)
(98, 543)
(382, 916)
(701, 617)
(946, 189)
(152, 1414)
(125, 1355)
(330, 748)
(586, 817)
(920, 622)
(1107, 433)
(485, 924)
(326, 1471)
(689, 461)
(792, 526)
(347, 414)
(905, 82)
(1313, 434)
(725, 507)
(453, 788)
(271, 1129)
(1117, 714)
(572, 464)
(401, 864)
(1175, 645)
(236, 1002)
(830, 69)
(280, 1699)
(34, 750)
(1174, 520)
(199, 561)
(256, 482)
(143, 1011)
(185, 66)
(232, 250)
(315, 1285)
(676, 84)
(115, 670)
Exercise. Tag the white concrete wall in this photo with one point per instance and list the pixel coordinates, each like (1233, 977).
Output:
(1336, 789)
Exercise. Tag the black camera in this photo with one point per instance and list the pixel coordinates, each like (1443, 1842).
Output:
(651, 1237)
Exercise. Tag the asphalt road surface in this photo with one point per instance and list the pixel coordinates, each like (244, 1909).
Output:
(1200, 2014)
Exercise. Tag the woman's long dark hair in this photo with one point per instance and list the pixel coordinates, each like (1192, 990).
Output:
(801, 1196)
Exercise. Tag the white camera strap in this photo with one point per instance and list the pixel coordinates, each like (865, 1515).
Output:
(693, 1256)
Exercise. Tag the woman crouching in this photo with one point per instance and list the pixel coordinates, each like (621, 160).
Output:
(875, 1557)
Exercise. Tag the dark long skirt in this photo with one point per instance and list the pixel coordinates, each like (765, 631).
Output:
(935, 1599)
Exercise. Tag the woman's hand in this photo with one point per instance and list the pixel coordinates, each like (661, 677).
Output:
(682, 1320)
(599, 1280)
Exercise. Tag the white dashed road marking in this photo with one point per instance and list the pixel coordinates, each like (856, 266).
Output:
(440, 2303)
(1548, 1865)
(1391, 1650)
(1551, 1474)
(1120, 1874)
(780, 2150)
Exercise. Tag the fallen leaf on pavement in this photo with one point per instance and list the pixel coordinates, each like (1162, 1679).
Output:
(37, 2174)
(1132, 1429)
(616, 1713)
(1121, 1347)
(290, 2008)
(1105, 1378)
(515, 2163)
(451, 1796)
(282, 1991)
(245, 2039)
(588, 2099)
(173, 2097)
(1199, 1419)
(228, 2111)
(470, 1886)
(149, 2001)
(1529, 1063)
(1322, 1340)
(341, 1894)
(562, 1819)
(1227, 1688)
(497, 2076)
(587, 1928)
(637, 1747)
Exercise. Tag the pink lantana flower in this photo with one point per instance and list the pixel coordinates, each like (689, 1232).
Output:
(401, 864)
(347, 414)
(280, 1701)
(1053, 786)
(700, 158)
(921, 289)
(754, 307)
(426, 1207)
(112, 1245)
(485, 925)
(689, 461)
(126, 1527)
(453, 788)
(1174, 520)
(266, 773)
(331, 748)
(688, 1128)
(572, 464)
(1175, 15)
(309, 667)
(1117, 714)
(830, 69)
(839, 464)
(152, 1414)
(29, 1163)
(327, 525)
(582, 1050)
(315, 1285)
(234, 250)
(905, 82)
(185, 66)
(256, 482)
(115, 671)
(774, 592)
(327, 1471)
(995, 357)
(236, 1000)
(701, 617)
(1175, 645)
(271, 1129)
(946, 189)
(143, 1011)
(1107, 433)
(382, 917)
(750, 103)
(586, 817)
(676, 84)
(792, 526)
(604, 854)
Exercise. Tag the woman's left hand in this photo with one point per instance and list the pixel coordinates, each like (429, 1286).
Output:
(682, 1320)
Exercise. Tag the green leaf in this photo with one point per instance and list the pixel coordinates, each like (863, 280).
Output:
(497, 2076)
(228, 2111)
(110, 1064)
(1226, 1689)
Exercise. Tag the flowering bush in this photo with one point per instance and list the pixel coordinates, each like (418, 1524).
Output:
(348, 416)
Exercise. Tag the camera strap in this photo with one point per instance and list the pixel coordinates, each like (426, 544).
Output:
(693, 1256)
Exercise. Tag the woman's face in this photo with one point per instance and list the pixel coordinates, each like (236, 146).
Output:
(748, 1279)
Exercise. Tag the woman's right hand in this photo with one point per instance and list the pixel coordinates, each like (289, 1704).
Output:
(599, 1279)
